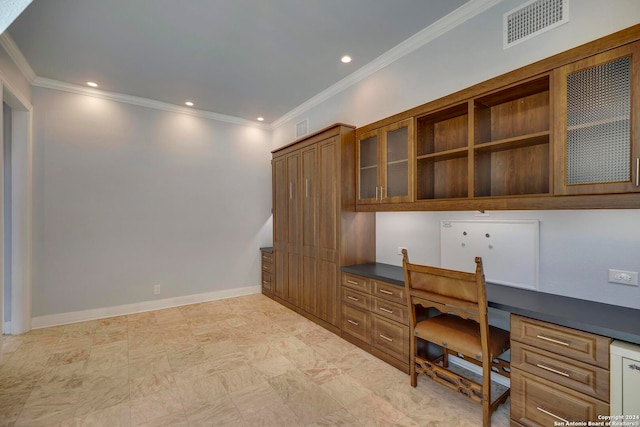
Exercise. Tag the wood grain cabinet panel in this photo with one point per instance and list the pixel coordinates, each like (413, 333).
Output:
(356, 282)
(389, 292)
(316, 228)
(396, 312)
(574, 344)
(597, 140)
(568, 125)
(355, 322)
(390, 337)
(355, 298)
(385, 159)
(267, 272)
(388, 328)
(558, 374)
(538, 402)
(579, 376)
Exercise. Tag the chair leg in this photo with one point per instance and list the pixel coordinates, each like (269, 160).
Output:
(445, 358)
(486, 413)
(486, 392)
(412, 362)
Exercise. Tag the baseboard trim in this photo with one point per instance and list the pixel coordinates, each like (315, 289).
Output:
(120, 310)
(503, 381)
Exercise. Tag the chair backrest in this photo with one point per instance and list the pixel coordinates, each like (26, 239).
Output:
(450, 291)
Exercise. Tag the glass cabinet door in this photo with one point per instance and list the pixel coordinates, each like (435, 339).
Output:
(368, 188)
(397, 181)
(598, 99)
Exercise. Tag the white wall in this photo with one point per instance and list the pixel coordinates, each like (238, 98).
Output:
(577, 247)
(126, 197)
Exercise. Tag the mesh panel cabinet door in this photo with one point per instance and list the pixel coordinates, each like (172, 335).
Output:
(597, 121)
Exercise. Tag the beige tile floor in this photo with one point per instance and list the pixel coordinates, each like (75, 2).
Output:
(244, 361)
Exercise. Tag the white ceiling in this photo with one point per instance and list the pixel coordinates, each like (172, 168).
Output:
(242, 58)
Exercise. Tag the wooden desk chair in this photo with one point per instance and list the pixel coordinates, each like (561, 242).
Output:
(461, 329)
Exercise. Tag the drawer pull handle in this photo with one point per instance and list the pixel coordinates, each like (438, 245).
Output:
(264, 282)
(386, 338)
(353, 323)
(542, 337)
(384, 291)
(552, 414)
(386, 310)
(555, 371)
(352, 298)
(352, 282)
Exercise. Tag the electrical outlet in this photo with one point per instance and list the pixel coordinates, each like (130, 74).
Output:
(400, 248)
(623, 277)
(156, 289)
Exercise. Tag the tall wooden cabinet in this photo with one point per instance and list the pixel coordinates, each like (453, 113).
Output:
(316, 228)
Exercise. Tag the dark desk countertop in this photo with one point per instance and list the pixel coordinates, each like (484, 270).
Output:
(613, 321)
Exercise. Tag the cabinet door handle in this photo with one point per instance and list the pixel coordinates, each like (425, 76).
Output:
(386, 338)
(542, 337)
(264, 282)
(353, 323)
(637, 171)
(306, 188)
(352, 282)
(555, 371)
(290, 190)
(386, 310)
(377, 192)
(384, 291)
(353, 298)
(381, 193)
(552, 414)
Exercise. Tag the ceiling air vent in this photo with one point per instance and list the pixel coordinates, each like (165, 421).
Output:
(533, 18)
(302, 128)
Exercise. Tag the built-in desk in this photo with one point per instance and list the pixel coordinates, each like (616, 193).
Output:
(620, 323)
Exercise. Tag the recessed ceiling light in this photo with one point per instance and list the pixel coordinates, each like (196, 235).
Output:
(92, 84)
(189, 104)
(261, 119)
(346, 59)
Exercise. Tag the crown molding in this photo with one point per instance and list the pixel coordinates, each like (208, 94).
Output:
(421, 38)
(16, 55)
(143, 102)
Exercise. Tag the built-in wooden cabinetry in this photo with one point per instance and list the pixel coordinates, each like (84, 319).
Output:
(315, 227)
(597, 123)
(558, 374)
(266, 255)
(374, 317)
(565, 126)
(385, 166)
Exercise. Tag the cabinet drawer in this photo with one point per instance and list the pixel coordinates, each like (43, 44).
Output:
(355, 298)
(390, 337)
(267, 266)
(356, 282)
(390, 310)
(578, 345)
(355, 322)
(575, 375)
(267, 280)
(390, 292)
(538, 402)
(267, 257)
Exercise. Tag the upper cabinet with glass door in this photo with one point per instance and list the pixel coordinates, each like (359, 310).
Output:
(385, 164)
(597, 148)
